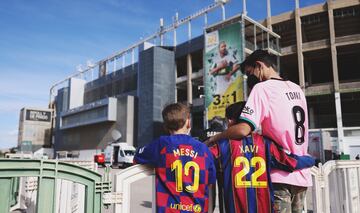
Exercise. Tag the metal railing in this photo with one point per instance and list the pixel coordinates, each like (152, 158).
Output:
(336, 187)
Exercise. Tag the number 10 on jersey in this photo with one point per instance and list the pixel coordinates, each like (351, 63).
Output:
(178, 168)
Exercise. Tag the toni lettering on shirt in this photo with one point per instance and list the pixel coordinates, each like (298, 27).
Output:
(185, 152)
(293, 96)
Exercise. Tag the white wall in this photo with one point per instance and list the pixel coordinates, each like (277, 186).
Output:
(76, 94)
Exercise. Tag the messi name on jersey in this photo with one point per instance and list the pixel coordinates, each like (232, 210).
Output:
(185, 152)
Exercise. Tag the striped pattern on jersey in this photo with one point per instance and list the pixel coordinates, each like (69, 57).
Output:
(246, 166)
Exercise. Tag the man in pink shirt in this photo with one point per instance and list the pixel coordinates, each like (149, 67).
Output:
(277, 107)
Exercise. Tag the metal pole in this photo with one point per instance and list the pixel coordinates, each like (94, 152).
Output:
(223, 11)
(175, 42)
(206, 19)
(245, 95)
(262, 39)
(189, 30)
(268, 19)
(114, 64)
(255, 45)
(175, 26)
(132, 56)
(189, 80)
(268, 7)
(244, 12)
(123, 62)
(161, 32)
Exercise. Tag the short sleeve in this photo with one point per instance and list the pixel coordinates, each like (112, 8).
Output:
(255, 109)
(149, 154)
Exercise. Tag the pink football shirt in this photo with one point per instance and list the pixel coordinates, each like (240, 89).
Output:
(279, 108)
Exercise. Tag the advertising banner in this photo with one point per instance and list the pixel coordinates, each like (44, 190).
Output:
(36, 115)
(222, 77)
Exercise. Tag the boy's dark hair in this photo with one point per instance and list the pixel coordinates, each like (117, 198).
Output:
(234, 110)
(174, 116)
(259, 55)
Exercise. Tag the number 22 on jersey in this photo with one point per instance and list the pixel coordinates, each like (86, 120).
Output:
(241, 175)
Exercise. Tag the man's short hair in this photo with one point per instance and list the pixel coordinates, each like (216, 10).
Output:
(174, 116)
(234, 110)
(259, 55)
(221, 42)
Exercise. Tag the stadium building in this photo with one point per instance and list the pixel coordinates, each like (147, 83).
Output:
(317, 47)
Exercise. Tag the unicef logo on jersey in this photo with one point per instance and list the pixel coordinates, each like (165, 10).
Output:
(188, 208)
(197, 208)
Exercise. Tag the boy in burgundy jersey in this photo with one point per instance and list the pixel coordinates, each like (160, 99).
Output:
(184, 166)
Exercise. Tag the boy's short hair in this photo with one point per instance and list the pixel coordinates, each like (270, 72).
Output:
(234, 110)
(259, 55)
(174, 116)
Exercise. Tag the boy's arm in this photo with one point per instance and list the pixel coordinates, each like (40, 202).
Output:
(212, 170)
(281, 159)
(303, 161)
(148, 154)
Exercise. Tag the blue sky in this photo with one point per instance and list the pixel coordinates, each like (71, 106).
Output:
(43, 41)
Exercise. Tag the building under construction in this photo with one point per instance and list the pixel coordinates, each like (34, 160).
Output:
(318, 48)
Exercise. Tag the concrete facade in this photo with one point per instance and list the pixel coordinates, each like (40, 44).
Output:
(35, 127)
(156, 89)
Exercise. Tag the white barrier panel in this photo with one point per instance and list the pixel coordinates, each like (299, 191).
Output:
(123, 181)
(125, 178)
(70, 197)
(336, 187)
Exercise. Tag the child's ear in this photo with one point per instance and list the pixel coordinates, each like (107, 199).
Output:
(188, 124)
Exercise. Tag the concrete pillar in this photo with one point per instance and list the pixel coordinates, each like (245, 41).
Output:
(300, 55)
(339, 123)
(333, 47)
(188, 82)
(340, 129)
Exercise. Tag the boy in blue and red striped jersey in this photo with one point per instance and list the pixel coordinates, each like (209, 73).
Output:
(246, 166)
(184, 166)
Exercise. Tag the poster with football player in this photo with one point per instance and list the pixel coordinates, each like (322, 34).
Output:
(222, 79)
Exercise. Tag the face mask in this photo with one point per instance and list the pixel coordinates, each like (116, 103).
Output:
(252, 80)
